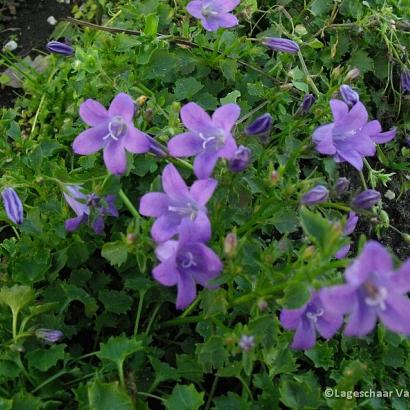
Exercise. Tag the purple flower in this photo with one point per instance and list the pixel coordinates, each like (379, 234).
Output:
(261, 126)
(405, 81)
(350, 137)
(246, 343)
(88, 208)
(12, 205)
(240, 159)
(177, 203)
(214, 13)
(111, 130)
(342, 185)
(208, 138)
(306, 105)
(49, 335)
(373, 290)
(281, 44)
(316, 195)
(58, 47)
(348, 229)
(366, 199)
(350, 97)
(156, 148)
(189, 261)
(306, 320)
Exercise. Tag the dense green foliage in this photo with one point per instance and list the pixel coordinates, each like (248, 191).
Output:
(125, 345)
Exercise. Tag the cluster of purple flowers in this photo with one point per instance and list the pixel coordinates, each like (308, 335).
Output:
(181, 211)
(373, 290)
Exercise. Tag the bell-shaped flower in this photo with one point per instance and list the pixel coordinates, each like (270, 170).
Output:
(111, 130)
(176, 203)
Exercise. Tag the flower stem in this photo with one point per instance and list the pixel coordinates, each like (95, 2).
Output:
(128, 204)
(140, 303)
(363, 179)
(307, 74)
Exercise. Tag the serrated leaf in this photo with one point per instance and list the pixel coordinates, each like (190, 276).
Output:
(231, 97)
(45, 359)
(115, 301)
(229, 69)
(186, 88)
(108, 396)
(362, 61)
(118, 348)
(296, 295)
(212, 354)
(185, 398)
(16, 297)
(316, 227)
(115, 252)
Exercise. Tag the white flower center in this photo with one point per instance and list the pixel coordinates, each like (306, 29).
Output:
(189, 209)
(377, 296)
(314, 315)
(188, 261)
(218, 138)
(117, 128)
(207, 11)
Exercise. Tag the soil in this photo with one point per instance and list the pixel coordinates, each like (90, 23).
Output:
(25, 21)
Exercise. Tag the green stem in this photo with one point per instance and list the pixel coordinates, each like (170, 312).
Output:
(128, 204)
(363, 179)
(49, 380)
(14, 325)
(153, 396)
(307, 74)
(191, 307)
(151, 321)
(121, 374)
(140, 303)
(211, 393)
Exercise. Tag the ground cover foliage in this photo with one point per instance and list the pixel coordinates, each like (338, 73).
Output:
(123, 343)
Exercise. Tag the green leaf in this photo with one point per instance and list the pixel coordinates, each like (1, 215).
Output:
(214, 302)
(115, 301)
(185, 398)
(296, 295)
(115, 252)
(186, 88)
(319, 7)
(362, 61)
(212, 353)
(118, 348)
(321, 355)
(16, 297)
(229, 69)
(231, 97)
(6, 404)
(108, 396)
(163, 371)
(301, 86)
(151, 24)
(25, 401)
(45, 359)
(316, 227)
(301, 391)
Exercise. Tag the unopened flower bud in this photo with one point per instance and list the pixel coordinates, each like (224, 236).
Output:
(384, 218)
(309, 252)
(241, 159)
(308, 101)
(131, 238)
(352, 75)
(405, 81)
(274, 177)
(12, 205)
(366, 199)
(342, 185)
(148, 115)
(315, 196)
(141, 100)
(262, 305)
(246, 343)
(49, 335)
(350, 97)
(230, 244)
(59, 47)
(281, 44)
(261, 126)
(406, 237)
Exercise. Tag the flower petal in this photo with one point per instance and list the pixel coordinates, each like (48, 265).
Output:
(123, 106)
(73, 224)
(165, 227)
(115, 158)
(328, 324)
(396, 315)
(356, 118)
(212, 261)
(384, 136)
(210, 23)
(352, 157)
(322, 138)
(226, 116)
(305, 335)
(338, 299)
(185, 145)
(136, 141)
(227, 20)
(198, 230)
(154, 204)
(372, 128)
(173, 184)
(186, 291)
(339, 109)
(401, 278)
(166, 250)
(194, 8)
(290, 318)
(362, 319)
(342, 252)
(225, 6)
(93, 113)
(202, 190)
(166, 273)
(228, 150)
(195, 118)
(90, 140)
(205, 163)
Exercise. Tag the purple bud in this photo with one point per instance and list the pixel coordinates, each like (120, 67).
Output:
(281, 44)
(352, 75)
(405, 81)
(350, 97)
(58, 47)
(308, 101)
(366, 199)
(240, 159)
(262, 125)
(49, 335)
(342, 185)
(315, 196)
(13, 205)
(156, 148)
(351, 223)
(246, 343)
